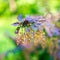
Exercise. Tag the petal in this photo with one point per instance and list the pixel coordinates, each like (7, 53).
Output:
(28, 18)
(49, 24)
(37, 24)
(19, 18)
(40, 27)
(37, 17)
(39, 21)
(55, 31)
(48, 31)
(16, 24)
(34, 28)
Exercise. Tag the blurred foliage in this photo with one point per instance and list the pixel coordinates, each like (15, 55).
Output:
(29, 7)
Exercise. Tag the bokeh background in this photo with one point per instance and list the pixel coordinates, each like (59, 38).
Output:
(9, 10)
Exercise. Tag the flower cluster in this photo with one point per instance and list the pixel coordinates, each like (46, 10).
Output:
(33, 22)
(33, 34)
(33, 27)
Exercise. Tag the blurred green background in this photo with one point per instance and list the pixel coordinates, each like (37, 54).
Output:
(10, 9)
